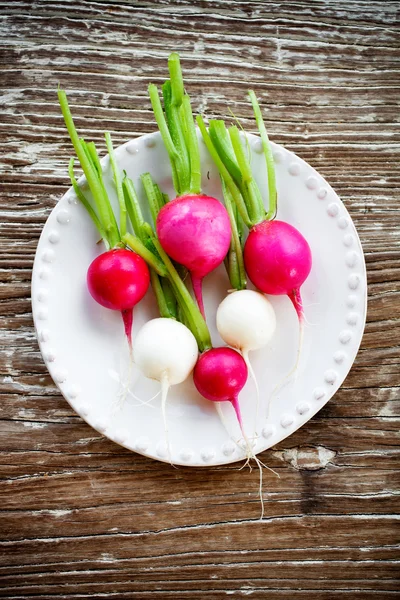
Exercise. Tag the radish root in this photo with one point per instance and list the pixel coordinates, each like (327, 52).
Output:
(294, 370)
(165, 385)
(251, 455)
(245, 355)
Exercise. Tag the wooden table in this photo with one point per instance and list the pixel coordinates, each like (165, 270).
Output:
(84, 518)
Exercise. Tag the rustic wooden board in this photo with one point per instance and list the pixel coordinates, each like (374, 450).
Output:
(82, 517)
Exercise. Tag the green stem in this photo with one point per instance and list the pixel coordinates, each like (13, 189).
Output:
(90, 173)
(222, 143)
(239, 153)
(137, 246)
(159, 294)
(152, 196)
(81, 197)
(193, 147)
(272, 192)
(186, 123)
(118, 184)
(195, 320)
(175, 72)
(165, 134)
(172, 109)
(224, 173)
(91, 151)
(169, 297)
(133, 207)
(250, 189)
(237, 263)
(162, 198)
(233, 269)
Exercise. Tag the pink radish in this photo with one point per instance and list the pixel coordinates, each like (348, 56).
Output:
(117, 279)
(278, 260)
(193, 229)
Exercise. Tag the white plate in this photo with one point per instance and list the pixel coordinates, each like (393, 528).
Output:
(84, 347)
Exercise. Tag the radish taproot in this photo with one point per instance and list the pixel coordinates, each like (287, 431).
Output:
(117, 279)
(193, 229)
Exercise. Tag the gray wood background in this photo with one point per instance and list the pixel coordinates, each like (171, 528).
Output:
(84, 518)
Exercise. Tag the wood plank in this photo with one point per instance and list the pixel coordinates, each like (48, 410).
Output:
(82, 517)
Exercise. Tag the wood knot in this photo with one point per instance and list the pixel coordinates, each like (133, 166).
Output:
(307, 458)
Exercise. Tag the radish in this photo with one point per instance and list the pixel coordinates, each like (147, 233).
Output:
(246, 321)
(193, 229)
(195, 232)
(278, 260)
(117, 279)
(165, 350)
(220, 375)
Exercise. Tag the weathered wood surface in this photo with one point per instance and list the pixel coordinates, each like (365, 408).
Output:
(82, 517)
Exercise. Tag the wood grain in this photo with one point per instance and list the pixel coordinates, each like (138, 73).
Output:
(84, 518)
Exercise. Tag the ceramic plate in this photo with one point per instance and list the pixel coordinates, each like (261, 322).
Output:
(84, 347)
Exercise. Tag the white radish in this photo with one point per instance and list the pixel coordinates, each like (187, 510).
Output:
(246, 321)
(165, 350)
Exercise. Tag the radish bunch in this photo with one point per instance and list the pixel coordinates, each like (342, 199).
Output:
(193, 232)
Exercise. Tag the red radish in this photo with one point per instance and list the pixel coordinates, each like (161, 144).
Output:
(193, 229)
(220, 375)
(118, 279)
(278, 260)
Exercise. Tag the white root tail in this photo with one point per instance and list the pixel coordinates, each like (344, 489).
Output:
(118, 403)
(246, 358)
(165, 385)
(251, 455)
(293, 371)
(220, 413)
